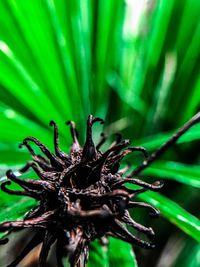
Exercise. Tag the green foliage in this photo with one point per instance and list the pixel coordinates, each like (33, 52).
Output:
(62, 60)
(189, 256)
(98, 255)
(118, 253)
(175, 214)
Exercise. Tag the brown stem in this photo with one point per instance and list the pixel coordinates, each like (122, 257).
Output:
(155, 155)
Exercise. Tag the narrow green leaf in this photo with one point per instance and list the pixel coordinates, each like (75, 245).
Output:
(154, 141)
(189, 256)
(98, 255)
(187, 174)
(120, 254)
(174, 213)
(18, 82)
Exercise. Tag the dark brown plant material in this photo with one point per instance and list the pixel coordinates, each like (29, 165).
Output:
(82, 196)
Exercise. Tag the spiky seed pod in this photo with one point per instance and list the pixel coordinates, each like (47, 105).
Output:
(81, 196)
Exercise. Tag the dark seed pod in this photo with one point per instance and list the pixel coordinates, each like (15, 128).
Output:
(81, 196)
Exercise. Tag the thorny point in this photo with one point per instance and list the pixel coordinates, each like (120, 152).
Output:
(81, 196)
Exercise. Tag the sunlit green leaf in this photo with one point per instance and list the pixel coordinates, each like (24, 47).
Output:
(121, 254)
(174, 213)
(98, 255)
(187, 174)
(134, 63)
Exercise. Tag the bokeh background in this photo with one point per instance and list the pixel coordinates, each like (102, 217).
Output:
(134, 63)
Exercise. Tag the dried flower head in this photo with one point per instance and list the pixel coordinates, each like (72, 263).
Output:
(81, 196)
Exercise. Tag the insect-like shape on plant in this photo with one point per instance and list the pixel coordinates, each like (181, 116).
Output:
(82, 196)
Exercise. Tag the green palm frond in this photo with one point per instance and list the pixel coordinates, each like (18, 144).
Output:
(63, 60)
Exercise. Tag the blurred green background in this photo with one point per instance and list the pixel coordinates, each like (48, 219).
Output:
(134, 63)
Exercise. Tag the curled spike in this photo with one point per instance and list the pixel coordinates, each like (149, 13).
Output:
(134, 192)
(112, 149)
(39, 222)
(141, 149)
(44, 175)
(89, 149)
(15, 192)
(117, 229)
(12, 177)
(153, 211)
(74, 134)
(114, 161)
(25, 168)
(58, 152)
(141, 228)
(119, 146)
(55, 161)
(42, 162)
(120, 156)
(154, 187)
(42, 165)
(95, 174)
(97, 120)
(29, 184)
